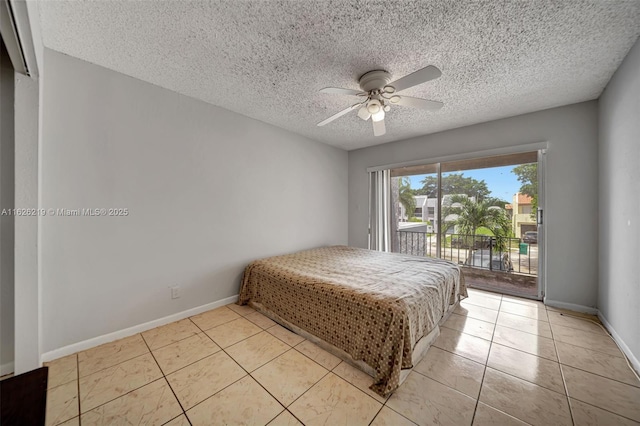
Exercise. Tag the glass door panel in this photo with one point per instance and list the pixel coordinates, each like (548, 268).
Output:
(479, 213)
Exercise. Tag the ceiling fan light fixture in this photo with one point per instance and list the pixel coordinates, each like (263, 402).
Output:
(378, 116)
(374, 106)
(364, 113)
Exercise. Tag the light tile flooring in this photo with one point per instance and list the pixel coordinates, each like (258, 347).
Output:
(499, 361)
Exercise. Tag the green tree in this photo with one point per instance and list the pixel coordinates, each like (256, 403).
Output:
(469, 215)
(495, 201)
(454, 183)
(405, 197)
(528, 177)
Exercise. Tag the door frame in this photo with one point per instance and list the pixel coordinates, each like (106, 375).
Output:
(541, 148)
(540, 219)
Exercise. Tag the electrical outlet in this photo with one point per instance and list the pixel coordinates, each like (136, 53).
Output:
(175, 292)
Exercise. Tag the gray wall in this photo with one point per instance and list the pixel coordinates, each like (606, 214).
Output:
(6, 222)
(207, 190)
(619, 171)
(27, 291)
(571, 177)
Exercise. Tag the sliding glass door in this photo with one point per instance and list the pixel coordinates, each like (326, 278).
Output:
(482, 213)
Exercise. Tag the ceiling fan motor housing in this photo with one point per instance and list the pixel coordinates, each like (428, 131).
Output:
(374, 80)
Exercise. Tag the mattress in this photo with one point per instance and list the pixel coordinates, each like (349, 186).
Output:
(374, 306)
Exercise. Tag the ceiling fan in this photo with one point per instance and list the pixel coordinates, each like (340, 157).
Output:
(378, 95)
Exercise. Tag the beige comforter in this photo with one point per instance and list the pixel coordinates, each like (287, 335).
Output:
(375, 306)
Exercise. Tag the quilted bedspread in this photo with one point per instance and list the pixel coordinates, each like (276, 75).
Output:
(375, 306)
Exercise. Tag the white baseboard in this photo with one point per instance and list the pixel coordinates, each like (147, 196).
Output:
(593, 311)
(632, 358)
(6, 368)
(106, 338)
(571, 307)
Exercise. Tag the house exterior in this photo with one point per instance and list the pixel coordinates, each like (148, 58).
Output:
(520, 211)
(426, 210)
(523, 217)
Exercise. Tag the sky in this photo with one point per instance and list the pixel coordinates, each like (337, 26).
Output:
(500, 180)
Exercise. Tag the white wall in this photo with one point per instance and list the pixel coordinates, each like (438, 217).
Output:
(6, 221)
(571, 176)
(619, 171)
(207, 190)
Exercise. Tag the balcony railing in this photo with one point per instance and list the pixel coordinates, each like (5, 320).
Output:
(500, 254)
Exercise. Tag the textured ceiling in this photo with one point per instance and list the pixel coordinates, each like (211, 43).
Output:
(268, 59)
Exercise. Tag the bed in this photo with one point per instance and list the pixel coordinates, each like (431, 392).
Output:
(379, 311)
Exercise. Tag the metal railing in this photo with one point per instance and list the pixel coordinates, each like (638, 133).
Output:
(498, 254)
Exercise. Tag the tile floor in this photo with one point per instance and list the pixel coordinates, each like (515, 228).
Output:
(499, 360)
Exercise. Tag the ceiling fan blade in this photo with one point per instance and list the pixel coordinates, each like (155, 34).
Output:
(379, 128)
(340, 91)
(420, 103)
(415, 78)
(338, 115)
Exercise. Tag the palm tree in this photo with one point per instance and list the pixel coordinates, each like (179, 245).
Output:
(469, 215)
(405, 196)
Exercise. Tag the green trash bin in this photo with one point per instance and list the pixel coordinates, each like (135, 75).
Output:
(524, 248)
